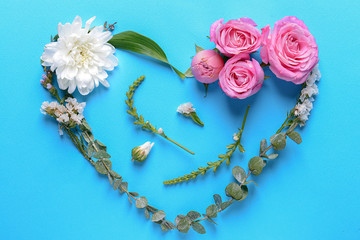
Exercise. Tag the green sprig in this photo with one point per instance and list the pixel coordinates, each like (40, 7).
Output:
(139, 119)
(214, 165)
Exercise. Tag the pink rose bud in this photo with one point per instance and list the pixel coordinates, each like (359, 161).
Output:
(235, 36)
(206, 66)
(241, 77)
(290, 50)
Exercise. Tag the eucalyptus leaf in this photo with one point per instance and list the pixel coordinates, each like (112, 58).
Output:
(123, 187)
(117, 184)
(170, 225)
(158, 216)
(263, 146)
(115, 174)
(183, 225)
(239, 173)
(89, 138)
(111, 180)
(198, 227)
(100, 167)
(211, 220)
(218, 200)
(295, 136)
(178, 218)
(101, 154)
(234, 190)
(99, 145)
(147, 214)
(134, 194)
(278, 141)
(138, 43)
(164, 227)
(211, 211)
(272, 156)
(90, 150)
(256, 165)
(193, 215)
(226, 204)
(85, 126)
(189, 73)
(141, 202)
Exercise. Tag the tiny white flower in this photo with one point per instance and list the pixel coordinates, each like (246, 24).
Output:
(235, 137)
(63, 118)
(61, 132)
(44, 106)
(160, 131)
(186, 108)
(80, 56)
(140, 153)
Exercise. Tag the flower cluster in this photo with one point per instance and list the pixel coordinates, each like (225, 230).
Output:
(70, 114)
(303, 108)
(290, 51)
(186, 108)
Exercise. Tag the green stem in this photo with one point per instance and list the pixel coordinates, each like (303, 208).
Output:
(167, 138)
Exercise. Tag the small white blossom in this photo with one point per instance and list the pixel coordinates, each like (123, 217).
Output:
(235, 137)
(140, 153)
(63, 118)
(186, 108)
(160, 131)
(60, 131)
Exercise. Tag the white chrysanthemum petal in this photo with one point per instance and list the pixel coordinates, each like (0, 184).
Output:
(79, 57)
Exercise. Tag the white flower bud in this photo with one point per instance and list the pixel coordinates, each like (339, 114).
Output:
(160, 131)
(140, 153)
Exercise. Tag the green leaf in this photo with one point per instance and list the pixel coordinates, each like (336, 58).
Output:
(211, 211)
(169, 224)
(196, 119)
(256, 165)
(263, 146)
(164, 227)
(123, 186)
(90, 150)
(85, 126)
(138, 43)
(183, 225)
(99, 145)
(218, 200)
(239, 173)
(135, 194)
(100, 167)
(198, 49)
(88, 137)
(198, 227)
(101, 154)
(180, 217)
(272, 156)
(278, 141)
(234, 190)
(226, 204)
(117, 184)
(193, 215)
(111, 180)
(244, 194)
(241, 148)
(115, 174)
(141, 202)
(147, 214)
(210, 220)
(158, 216)
(189, 73)
(295, 136)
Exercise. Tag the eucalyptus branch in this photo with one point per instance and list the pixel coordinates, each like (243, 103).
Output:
(223, 157)
(139, 119)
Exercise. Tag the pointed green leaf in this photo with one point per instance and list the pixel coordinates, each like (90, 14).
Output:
(138, 43)
(263, 146)
(241, 148)
(196, 119)
(218, 200)
(189, 73)
(198, 48)
(198, 227)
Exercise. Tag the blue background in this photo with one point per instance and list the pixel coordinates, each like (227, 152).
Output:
(48, 191)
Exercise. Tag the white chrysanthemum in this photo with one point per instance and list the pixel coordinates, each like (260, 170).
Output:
(186, 108)
(80, 56)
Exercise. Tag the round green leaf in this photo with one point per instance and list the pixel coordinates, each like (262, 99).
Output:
(141, 202)
(193, 215)
(211, 211)
(238, 173)
(100, 167)
(256, 165)
(183, 225)
(278, 141)
(233, 190)
(158, 216)
(295, 136)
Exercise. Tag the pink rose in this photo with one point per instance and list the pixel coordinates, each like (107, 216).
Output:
(206, 66)
(290, 50)
(235, 36)
(241, 77)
